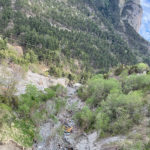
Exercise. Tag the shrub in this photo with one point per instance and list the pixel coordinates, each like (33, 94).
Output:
(83, 93)
(59, 90)
(20, 123)
(142, 67)
(85, 118)
(30, 56)
(55, 71)
(98, 89)
(136, 82)
(28, 100)
(21, 131)
(59, 105)
(139, 68)
(50, 93)
(119, 113)
(147, 146)
(33, 97)
(12, 56)
(5, 114)
(133, 69)
(26, 132)
(119, 70)
(137, 145)
(102, 123)
(3, 44)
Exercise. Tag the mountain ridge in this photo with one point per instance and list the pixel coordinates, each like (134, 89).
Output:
(99, 34)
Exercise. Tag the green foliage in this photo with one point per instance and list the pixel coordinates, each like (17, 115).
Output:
(10, 101)
(136, 82)
(55, 71)
(11, 127)
(139, 68)
(147, 146)
(3, 44)
(50, 93)
(116, 115)
(85, 118)
(32, 99)
(59, 90)
(27, 134)
(59, 105)
(20, 118)
(31, 57)
(103, 48)
(5, 115)
(98, 89)
(121, 111)
(119, 70)
(101, 123)
(142, 67)
(138, 145)
(114, 112)
(11, 55)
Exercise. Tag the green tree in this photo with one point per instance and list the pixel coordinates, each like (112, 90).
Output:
(30, 56)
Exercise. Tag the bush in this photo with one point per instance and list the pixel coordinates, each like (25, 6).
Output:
(133, 69)
(102, 122)
(139, 68)
(26, 132)
(12, 56)
(117, 107)
(136, 82)
(21, 131)
(137, 145)
(20, 123)
(85, 118)
(116, 114)
(119, 70)
(59, 90)
(59, 105)
(142, 67)
(3, 44)
(32, 98)
(119, 113)
(55, 71)
(31, 57)
(98, 89)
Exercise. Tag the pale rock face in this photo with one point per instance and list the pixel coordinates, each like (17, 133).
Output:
(121, 3)
(40, 81)
(132, 12)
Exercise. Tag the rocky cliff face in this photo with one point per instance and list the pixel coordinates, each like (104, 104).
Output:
(132, 12)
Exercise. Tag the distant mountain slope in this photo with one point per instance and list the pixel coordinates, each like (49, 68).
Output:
(98, 33)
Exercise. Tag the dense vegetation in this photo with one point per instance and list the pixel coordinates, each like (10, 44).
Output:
(21, 116)
(75, 39)
(60, 32)
(114, 101)
(114, 105)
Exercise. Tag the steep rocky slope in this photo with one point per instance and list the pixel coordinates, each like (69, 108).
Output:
(111, 111)
(132, 12)
(96, 33)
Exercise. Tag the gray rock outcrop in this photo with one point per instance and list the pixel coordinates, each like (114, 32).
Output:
(132, 13)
